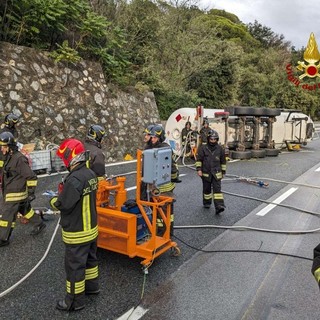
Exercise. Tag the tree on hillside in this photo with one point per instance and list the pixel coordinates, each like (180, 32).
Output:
(71, 28)
(267, 37)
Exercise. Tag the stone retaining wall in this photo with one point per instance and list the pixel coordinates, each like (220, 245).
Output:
(57, 101)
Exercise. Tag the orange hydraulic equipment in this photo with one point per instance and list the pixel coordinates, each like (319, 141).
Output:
(118, 230)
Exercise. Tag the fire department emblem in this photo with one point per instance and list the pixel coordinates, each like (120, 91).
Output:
(311, 56)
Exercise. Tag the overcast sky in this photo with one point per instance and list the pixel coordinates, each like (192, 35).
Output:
(295, 19)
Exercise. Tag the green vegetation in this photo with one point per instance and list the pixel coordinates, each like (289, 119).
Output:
(183, 54)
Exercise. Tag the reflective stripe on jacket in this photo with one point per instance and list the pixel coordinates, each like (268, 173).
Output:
(17, 177)
(77, 203)
(211, 160)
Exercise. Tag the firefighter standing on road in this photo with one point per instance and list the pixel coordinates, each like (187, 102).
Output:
(10, 122)
(147, 145)
(147, 138)
(157, 140)
(204, 131)
(18, 189)
(77, 204)
(186, 135)
(211, 166)
(93, 144)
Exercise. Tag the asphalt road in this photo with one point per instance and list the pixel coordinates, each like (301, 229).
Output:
(121, 278)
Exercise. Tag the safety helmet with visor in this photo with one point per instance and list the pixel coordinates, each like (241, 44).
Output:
(7, 139)
(148, 129)
(205, 121)
(158, 131)
(96, 132)
(213, 134)
(11, 120)
(71, 151)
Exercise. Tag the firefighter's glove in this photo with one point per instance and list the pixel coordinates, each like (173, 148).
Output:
(31, 194)
(60, 187)
(53, 202)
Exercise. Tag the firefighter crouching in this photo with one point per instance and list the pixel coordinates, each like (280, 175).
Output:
(18, 189)
(157, 141)
(211, 167)
(93, 144)
(77, 204)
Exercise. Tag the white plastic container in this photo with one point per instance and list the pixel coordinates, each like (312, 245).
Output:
(40, 160)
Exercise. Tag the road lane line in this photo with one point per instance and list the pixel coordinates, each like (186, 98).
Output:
(318, 169)
(133, 313)
(269, 207)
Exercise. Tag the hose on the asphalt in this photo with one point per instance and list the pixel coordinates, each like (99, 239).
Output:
(245, 228)
(2, 294)
(243, 250)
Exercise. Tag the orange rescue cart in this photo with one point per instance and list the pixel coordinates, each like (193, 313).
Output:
(118, 229)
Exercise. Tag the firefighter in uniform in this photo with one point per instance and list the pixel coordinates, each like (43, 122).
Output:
(10, 122)
(185, 138)
(147, 138)
(204, 131)
(157, 139)
(147, 145)
(77, 204)
(93, 144)
(18, 189)
(211, 167)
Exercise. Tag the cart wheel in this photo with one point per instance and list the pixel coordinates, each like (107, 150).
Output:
(175, 251)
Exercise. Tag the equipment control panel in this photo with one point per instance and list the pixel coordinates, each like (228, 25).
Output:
(157, 166)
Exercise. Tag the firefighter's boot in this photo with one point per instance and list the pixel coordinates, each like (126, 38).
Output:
(4, 243)
(38, 225)
(62, 306)
(220, 209)
(38, 229)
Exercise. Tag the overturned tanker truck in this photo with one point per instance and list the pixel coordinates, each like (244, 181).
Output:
(245, 132)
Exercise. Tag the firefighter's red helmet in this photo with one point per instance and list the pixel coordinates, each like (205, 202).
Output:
(69, 150)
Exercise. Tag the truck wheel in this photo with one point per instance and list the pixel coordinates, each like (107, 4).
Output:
(261, 153)
(244, 111)
(272, 152)
(241, 154)
(271, 112)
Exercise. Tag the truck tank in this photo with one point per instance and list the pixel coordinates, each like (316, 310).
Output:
(242, 129)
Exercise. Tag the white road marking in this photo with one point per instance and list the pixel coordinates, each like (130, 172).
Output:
(133, 314)
(318, 169)
(269, 207)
